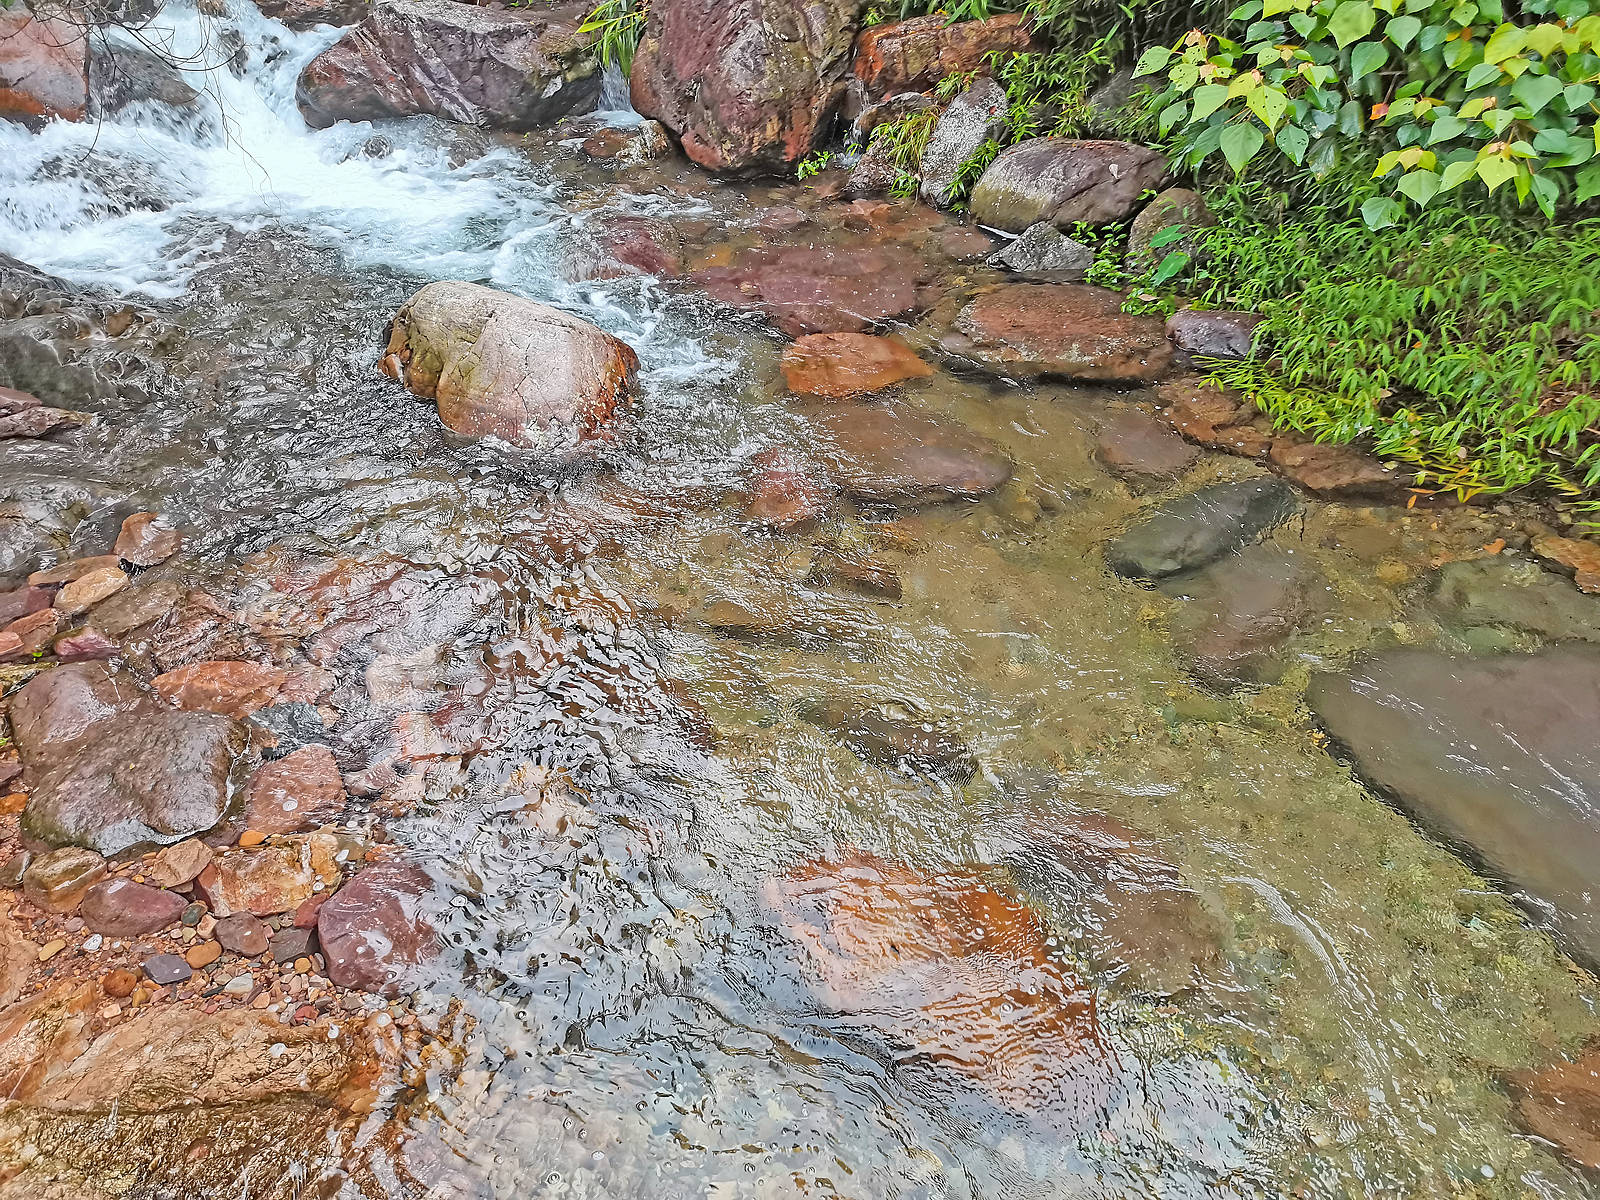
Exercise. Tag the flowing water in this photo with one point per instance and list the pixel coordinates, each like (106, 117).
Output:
(630, 811)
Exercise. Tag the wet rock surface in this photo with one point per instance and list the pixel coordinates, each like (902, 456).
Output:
(1493, 754)
(1237, 612)
(1213, 333)
(1514, 593)
(122, 908)
(1043, 254)
(505, 68)
(1197, 529)
(43, 66)
(842, 365)
(1063, 181)
(806, 290)
(372, 930)
(893, 456)
(297, 792)
(1140, 447)
(497, 364)
(110, 767)
(903, 742)
(784, 491)
(974, 117)
(1069, 331)
(748, 87)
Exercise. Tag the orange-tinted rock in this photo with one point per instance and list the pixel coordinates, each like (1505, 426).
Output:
(840, 365)
(783, 492)
(297, 792)
(1579, 556)
(179, 863)
(58, 880)
(10, 646)
(1215, 417)
(269, 879)
(233, 689)
(88, 590)
(1561, 1104)
(1072, 331)
(36, 630)
(43, 66)
(912, 56)
(957, 972)
(1132, 443)
(77, 568)
(144, 541)
(1331, 470)
(818, 289)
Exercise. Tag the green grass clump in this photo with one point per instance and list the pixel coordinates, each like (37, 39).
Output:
(1466, 345)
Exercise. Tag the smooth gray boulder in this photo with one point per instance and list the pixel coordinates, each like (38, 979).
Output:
(1496, 755)
(972, 118)
(1200, 528)
(1064, 181)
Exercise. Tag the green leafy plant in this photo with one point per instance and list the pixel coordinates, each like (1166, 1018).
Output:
(620, 25)
(1437, 95)
(812, 164)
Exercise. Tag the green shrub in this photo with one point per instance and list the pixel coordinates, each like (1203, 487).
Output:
(620, 24)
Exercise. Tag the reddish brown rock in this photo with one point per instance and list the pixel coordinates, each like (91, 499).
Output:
(75, 569)
(1215, 417)
(119, 984)
(58, 880)
(912, 56)
(842, 365)
(1133, 444)
(806, 289)
(784, 493)
(179, 863)
(504, 68)
(893, 456)
(1561, 1103)
(374, 931)
(1072, 331)
(20, 602)
(10, 647)
(233, 689)
(628, 245)
(748, 86)
(269, 879)
(36, 630)
(43, 66)
(295, 793)
(1065, 181)
(122, 908)
(85, 645)
(944, 965)
(243, 934)
(1330, 470)
(111, 767)
(504, 366)
(37, 422)
(144, 541)
(88, 590)
(307, 14)
(13, 401)
(1577, 555)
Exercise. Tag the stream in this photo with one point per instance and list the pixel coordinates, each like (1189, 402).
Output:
(1197, 957)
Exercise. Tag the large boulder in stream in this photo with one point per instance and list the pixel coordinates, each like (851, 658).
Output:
(748, 86)
(1496, 755)
(501, 68)
(110, 767)
(44, 66)
(504, 366)
(1064, 181)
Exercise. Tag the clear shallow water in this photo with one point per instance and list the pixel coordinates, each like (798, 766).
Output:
(633, 824)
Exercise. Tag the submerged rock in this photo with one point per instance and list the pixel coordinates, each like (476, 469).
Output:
(1517, 593)
(1494, 754)
(1200, 528)
(1237, 611)
(1561, 1103)
(374, 931)
(145, 540)
(842, 365)
(976, 116)
(120, 76)
(1072, 331)
(893, 456)
(111, 768)
(503, 68)
(783, 490)
(959, 975)
(818, 289)
(297, 792)
(908, 744)
(501, 365)
(44, 68)
(748, 87)
(1064, 181)
(1143, 448)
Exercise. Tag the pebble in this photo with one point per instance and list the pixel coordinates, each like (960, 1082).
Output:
(166, 968)
(203, 954)
(50, 949)
(251, 837)
(111, 1012)
(119, 983)
(192, 914)
(239, 985)
(93, 942)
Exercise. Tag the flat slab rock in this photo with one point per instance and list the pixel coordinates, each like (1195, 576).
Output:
(841, 365)
(884, 455)
(805, 289)
(1070, 331)
(1514, 593)
(1496, 755)
(111, 768)
(1193, 530)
